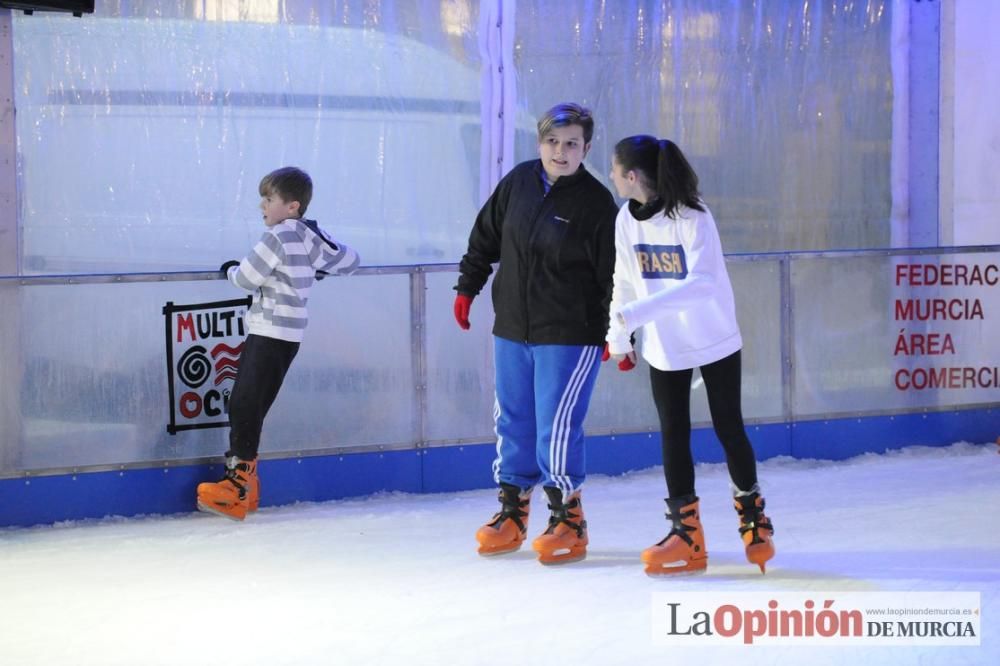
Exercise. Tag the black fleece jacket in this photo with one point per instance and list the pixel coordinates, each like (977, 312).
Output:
(556, 253)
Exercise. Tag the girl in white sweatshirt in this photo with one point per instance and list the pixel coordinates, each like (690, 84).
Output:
(671, 282)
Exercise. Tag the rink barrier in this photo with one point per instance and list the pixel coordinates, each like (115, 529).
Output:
(52, 494)
(169, 488)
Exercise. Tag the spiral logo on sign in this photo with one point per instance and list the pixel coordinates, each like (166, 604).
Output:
(194, 367)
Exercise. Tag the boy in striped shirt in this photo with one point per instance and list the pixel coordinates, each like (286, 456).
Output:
(279, 271)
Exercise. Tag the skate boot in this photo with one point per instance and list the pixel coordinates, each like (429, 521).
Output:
(253, 501)
(506, 530)
(683, 549)
(565, 540)
(755, 528)
(231, 496)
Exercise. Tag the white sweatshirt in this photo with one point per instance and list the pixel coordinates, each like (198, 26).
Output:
(671, 282)
(280, 271)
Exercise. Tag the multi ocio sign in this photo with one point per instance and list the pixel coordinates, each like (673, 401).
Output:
(204, 342)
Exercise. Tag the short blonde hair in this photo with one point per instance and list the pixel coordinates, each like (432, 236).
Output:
(563, 115)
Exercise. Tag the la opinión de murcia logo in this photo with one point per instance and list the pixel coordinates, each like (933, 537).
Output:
(788, 618)
(203, 346)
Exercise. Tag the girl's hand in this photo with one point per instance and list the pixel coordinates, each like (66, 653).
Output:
(625, 361)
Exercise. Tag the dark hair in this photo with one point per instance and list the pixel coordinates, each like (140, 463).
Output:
(663, 169)
(564, 115)
(289, 183)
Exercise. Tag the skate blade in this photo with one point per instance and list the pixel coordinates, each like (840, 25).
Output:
(676, 567)
(208, 508)
(760, 557)
(673, 572)
(503, 551)
(568, 558)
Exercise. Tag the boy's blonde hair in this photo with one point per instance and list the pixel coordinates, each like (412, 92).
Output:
(289, 183)
(563, 115)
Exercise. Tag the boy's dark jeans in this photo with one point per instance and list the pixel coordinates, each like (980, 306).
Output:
(263, 365)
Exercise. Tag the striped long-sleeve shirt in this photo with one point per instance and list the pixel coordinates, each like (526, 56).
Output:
(280, 271)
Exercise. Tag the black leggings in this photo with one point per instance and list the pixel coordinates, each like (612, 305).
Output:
(672, 394)
(263, 364)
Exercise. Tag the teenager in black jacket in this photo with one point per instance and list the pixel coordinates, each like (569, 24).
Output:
(550, 225)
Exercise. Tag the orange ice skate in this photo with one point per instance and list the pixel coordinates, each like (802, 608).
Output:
(683, 549)
(507, 529)
(755, 529)
(253, 500)
(565, 540)
(235, 493)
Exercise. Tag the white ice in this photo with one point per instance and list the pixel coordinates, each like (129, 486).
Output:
(395, 579)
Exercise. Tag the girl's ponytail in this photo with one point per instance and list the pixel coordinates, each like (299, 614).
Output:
(676, 181)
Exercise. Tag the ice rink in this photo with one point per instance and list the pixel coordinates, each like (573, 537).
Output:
(395, 579)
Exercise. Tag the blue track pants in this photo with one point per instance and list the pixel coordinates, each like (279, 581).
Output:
(542, 395)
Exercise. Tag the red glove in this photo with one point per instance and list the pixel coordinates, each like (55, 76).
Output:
(462, 305)
(624, 365)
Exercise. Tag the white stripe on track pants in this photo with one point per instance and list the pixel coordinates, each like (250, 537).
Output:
(542, 395)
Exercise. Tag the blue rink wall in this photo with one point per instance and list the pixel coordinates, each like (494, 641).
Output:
(169, 489)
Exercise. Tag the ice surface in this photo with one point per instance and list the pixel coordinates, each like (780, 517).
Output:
(395, 578)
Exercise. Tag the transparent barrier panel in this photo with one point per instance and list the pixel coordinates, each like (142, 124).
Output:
(757, 289)
(841, 335)
(878, 333)
(90, 364)
(352, 382)
(622, 401)
(93, 374)
(459, 365)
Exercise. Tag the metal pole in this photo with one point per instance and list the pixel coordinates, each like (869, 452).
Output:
(11, 349)
(787, 341)
(418, 353)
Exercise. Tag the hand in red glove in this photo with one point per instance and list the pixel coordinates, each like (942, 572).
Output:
(463, 303)
(625, 361)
